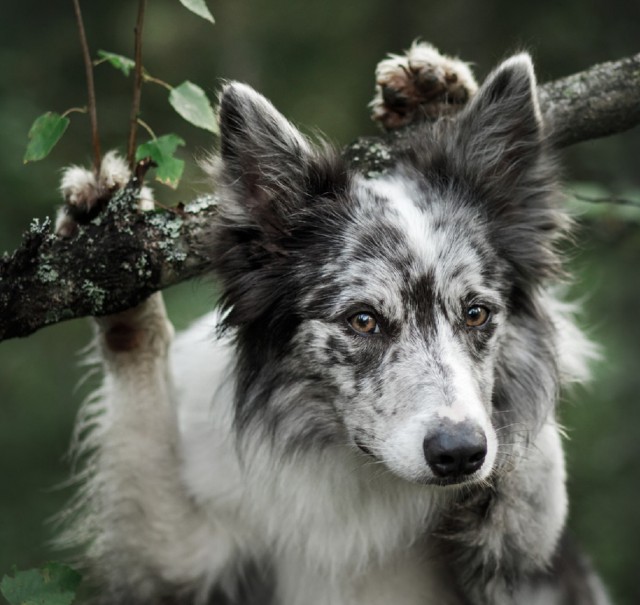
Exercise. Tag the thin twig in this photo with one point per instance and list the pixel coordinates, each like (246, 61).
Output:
(148, 78)
(137, 85)
(606, 200)
(91, 91)
(74, 110)
(147, 128)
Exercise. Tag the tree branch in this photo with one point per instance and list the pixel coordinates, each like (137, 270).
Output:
(598, 102)
(123, 255)
(91, 90)
(137, 85)
(111, 264)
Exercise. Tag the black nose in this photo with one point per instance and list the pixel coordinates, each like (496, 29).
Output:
(455, 449)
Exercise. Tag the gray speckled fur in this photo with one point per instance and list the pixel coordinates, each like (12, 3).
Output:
(301, 442)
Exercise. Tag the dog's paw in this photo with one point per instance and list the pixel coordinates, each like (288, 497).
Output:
(80, 191)
(422, 84)
(86, 194)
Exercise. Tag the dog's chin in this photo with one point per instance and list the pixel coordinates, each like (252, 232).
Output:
(453, 482)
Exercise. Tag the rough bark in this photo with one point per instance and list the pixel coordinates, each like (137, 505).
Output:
(123, 255)
(598, 102)
(109, 265)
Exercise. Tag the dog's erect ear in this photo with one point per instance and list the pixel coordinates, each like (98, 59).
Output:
(503, 148)
(263, 155)
(502, 126)
(268, 176)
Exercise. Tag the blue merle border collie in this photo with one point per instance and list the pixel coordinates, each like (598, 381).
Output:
(375, 422)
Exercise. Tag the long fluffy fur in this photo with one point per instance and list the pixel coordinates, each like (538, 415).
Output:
(283, 463)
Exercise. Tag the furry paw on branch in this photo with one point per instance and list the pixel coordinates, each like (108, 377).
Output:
(122, 255)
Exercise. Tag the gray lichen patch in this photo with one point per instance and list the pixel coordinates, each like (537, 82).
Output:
(168, 224)
(380, 151)
(170, 230)
(372, 157)
(142, 268)
(47, 274)
(179, 255)
(125, 200)
(201, 203)
(38, 227)
(96, 294)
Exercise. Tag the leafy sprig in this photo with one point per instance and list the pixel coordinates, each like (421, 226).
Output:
(187, 99)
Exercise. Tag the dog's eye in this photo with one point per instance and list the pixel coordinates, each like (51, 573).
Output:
(364, 323)
(476, 316)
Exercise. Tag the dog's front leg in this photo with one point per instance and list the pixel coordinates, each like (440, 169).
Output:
(143, 537)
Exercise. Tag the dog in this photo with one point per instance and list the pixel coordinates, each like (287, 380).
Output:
(374, 421)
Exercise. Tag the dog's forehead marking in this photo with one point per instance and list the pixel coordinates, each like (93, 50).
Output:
(423, 258)
(430, 236)
(401, 208)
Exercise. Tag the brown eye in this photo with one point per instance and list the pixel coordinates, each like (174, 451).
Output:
(364, 323)
(476, 316)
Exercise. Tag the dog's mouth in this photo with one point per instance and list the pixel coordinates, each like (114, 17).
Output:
(457, 480)
(363, 448)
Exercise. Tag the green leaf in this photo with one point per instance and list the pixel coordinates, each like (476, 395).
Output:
(124, 64)
(192, 104)
(54, 584)
(199, 8)
(45, 132)
(161, 150)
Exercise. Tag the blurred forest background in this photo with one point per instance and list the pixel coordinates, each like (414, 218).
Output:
(315, 61)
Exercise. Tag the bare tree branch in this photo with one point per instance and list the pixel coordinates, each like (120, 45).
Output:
(598, 102)
(124, 255)
(137, 85)
(91, 90)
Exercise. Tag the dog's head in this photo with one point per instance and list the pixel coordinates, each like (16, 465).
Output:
(399, 315)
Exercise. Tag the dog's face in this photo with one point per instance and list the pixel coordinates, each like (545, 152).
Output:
(375, 312)
(402, 321)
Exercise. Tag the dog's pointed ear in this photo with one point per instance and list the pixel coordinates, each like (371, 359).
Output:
(503, 150)
(502, 126)
(263, 155)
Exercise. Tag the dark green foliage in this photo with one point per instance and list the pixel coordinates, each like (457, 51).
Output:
(54, 584)
(161, 150)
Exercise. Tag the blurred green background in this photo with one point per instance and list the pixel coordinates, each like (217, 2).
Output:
(315, 60)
